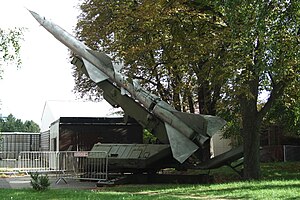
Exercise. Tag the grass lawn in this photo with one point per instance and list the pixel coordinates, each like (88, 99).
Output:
(280, 181)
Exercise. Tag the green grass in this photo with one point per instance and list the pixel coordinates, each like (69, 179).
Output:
(280, 181)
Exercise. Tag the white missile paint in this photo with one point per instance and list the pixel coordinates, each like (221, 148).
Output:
(99, 67)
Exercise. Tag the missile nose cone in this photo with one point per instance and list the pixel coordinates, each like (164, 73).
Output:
(36, 16)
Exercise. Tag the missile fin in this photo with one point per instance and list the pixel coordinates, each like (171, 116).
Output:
(94, 73)
(105, 59)
(206, 125)
(214, 124)
(182, 147)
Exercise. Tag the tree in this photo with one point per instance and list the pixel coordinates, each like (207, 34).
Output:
(11, 124)
(10, 46)
(203, 52)
(154, 40)
(286, 114)
(9, 49)
(31, 126)
(264, 54)
(159, 45)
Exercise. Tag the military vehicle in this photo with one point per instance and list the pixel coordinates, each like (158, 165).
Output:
(183, 138)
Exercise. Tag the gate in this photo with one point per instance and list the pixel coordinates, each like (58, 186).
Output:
(68, 164)
(8, 162)
(86, 165)
(37, 161)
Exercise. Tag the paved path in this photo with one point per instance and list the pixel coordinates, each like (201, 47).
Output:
(4, 183)
(24, 182)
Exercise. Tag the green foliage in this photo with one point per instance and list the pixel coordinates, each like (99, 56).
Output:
(39, 182)
(148, 137)
(264, 44)
(10, 46)
(11, 124)
(263, 54)
(173, 48)
(285, 115)
(203, 54)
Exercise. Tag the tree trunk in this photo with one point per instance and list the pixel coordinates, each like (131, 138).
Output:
(251, 134)
(204, 97)
(176, 101)
(191, 104)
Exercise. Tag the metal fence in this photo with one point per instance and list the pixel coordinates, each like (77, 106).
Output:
(291, 153)
(67, 164)
(8, 162)
(83, 165)
(36, 161)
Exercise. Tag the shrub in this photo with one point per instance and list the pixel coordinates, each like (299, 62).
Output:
(39, 182)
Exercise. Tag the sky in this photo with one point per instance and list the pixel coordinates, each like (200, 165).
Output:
(45, 73)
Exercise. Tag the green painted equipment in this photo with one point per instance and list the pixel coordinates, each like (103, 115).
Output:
(183, 137)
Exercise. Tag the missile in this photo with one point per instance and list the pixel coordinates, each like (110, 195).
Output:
(186, 132)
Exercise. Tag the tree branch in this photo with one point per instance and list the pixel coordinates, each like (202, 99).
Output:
(275, 94)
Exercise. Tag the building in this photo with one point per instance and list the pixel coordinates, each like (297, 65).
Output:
(81, 133)
(73, 125)
(219, 145)
(53, 110)
(15, 142)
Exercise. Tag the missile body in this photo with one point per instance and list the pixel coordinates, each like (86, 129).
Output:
(184, 138)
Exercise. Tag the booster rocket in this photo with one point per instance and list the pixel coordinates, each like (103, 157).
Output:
(186, 132)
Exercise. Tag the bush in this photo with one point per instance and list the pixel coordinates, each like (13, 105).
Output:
(38, 182)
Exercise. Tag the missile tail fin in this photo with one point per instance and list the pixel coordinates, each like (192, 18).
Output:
(93, 72)
(105, 59)
(214, 124)
(206, 125)
(182, 147)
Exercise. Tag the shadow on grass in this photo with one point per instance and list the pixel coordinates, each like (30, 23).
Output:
(241, 190)
(280, 181)
(235, 190)
(253, 191)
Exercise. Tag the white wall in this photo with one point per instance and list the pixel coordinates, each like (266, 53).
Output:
(219, 145)
(54, 134)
